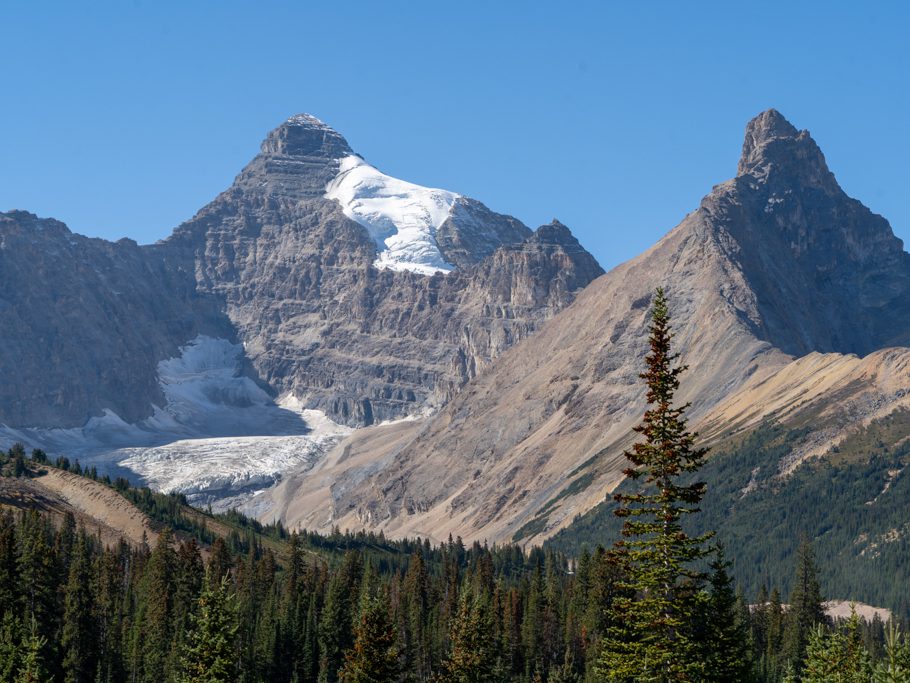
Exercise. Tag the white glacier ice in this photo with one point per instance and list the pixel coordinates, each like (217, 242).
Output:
(219, 438)
(401, 217)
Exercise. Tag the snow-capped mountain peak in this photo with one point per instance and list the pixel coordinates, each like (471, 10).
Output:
(401, 217)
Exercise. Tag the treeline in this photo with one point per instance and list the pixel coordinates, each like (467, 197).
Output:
(830, 500)
(73, 610)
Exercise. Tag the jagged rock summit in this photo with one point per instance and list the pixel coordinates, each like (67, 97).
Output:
(828, 274)
(776, 263)
(357, 294)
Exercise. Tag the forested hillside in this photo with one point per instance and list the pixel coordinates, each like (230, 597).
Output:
(850, 505)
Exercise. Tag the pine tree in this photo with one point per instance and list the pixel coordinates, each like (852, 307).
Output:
(651, 636)
(374, 657)
(211, 651)
(189, 575)
(36, 571)
(9, 589)
(895, 665)
(726, 637)
(110, 568)
(336, 627)
(10, 646)
(31, 669)
(153, 635)
(473, 657)
(416, 605)
(772, 662)
(836, 656)
(79, 640)
(806, 610)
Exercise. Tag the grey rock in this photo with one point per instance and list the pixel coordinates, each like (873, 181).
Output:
(85, 322)
(275, 265)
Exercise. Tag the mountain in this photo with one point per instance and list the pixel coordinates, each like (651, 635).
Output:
(775, 264)
(314, 295)
(368, 297)
(86, 321)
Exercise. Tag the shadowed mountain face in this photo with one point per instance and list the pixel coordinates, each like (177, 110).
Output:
(775, 263)
(85, 323)
(826, 272)
(332, 297)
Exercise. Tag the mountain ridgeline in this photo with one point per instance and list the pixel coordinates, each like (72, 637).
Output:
(775, 264)
(516, 359)
(277, 265)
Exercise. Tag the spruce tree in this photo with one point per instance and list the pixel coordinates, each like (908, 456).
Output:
(31, 668)
(895, 665)
(79, 638)
(474, 653)
(153, 635)
(726, 639)
(374, 657)
(210, 655)
(836, 656)
(652, 635)
(10, 646)
(415, 600)
(336, 627)
(806, 610)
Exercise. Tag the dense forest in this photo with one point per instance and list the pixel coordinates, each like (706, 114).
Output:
(352, 607)
(218, 598)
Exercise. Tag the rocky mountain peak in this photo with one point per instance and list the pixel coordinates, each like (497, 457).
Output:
(554, 232)
(296, 160)
(774, 151)
(303, 135)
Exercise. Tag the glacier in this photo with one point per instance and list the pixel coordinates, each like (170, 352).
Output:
(401, 217)
(219, 438)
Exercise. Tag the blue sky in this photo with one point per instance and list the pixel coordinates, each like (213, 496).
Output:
(124, 118)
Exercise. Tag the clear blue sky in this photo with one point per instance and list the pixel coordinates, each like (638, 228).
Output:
(124, 118)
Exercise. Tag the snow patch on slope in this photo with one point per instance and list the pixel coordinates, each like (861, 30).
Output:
(401, 217)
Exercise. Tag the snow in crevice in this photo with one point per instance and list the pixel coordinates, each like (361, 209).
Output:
(219, 437)
(401, 217)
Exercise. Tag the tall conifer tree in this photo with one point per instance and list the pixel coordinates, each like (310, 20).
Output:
(651, 636)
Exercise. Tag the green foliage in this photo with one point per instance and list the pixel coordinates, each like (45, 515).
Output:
(474, 653)
(374, 656)
(895, 665)
(836, 656)
(31, 668)
(211, 654)
(806, 610)
(654, 632)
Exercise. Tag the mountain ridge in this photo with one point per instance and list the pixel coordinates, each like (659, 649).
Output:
(538, 439)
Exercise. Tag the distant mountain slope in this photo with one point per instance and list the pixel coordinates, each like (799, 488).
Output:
(314, 295)
(85, 323)
(777, 262)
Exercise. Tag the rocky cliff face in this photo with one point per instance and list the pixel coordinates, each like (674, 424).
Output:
(319, 320)
(775, 263)
(365, 296)
(85, 322)
(827, 274)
